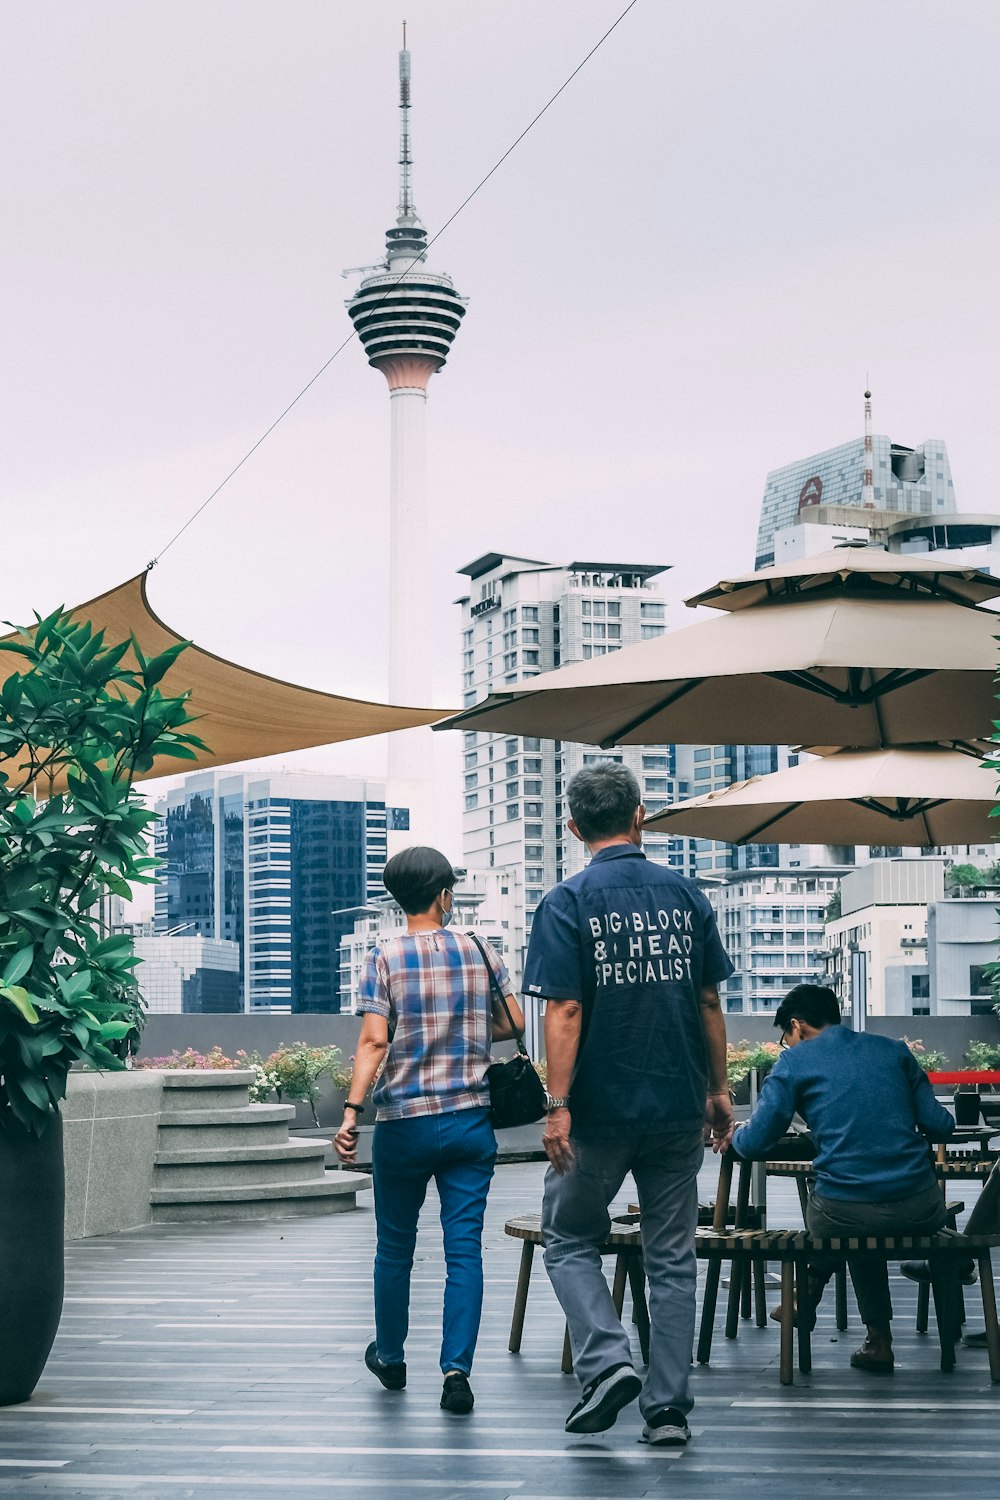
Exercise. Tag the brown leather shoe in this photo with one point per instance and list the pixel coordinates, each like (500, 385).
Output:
(875, 1364)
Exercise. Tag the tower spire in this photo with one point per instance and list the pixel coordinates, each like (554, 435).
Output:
(406, 210)
(868, 490)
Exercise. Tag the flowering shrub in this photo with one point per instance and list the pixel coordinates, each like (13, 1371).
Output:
(929, 1060)
(742, 1059)
(982, 1056)
(189, 1059)
(299, 1070)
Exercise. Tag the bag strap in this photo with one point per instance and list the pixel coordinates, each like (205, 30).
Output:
(498, 992)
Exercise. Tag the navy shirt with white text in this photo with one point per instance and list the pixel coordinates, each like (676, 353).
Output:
(634, 942)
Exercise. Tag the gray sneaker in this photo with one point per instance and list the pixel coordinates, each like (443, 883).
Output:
(603, 1399)
(667, 1429)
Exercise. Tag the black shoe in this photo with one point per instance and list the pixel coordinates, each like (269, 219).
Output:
(603, 1399)
(666, 1429)
(919, 1270)
(457, 1394)
(975, 1340)
(393, 1377)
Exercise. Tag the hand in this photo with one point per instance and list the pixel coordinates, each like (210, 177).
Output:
(719, 1122)
(345, 1142)
(555, 1140)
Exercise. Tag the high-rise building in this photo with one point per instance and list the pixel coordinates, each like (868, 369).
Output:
(406, 317)
(188, 973)
(521, 617)
(828, 488)
(273, 862)
(772, 924)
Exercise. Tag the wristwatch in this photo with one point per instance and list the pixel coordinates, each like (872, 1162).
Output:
(551, 1102)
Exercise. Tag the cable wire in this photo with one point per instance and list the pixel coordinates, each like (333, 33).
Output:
(405, 272)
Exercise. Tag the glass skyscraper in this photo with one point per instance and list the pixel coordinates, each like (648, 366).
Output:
(275, 863)
(906, 481)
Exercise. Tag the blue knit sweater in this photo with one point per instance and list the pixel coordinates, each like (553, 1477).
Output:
(868, 1106)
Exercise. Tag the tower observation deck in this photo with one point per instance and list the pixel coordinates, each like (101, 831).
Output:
(406, 316)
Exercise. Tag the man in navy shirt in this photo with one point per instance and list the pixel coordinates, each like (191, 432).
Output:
(627, 957)
(871, 1112)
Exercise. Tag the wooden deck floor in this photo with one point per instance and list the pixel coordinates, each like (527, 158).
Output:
(200, 1361)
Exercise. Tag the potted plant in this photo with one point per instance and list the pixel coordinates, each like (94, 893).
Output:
(78, 721)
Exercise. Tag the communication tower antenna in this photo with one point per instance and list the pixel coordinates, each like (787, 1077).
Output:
(405, 159)
(868, 490)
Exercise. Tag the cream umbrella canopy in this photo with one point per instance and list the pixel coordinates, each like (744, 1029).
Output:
(921, 796)
(842, 651)
(242, 715)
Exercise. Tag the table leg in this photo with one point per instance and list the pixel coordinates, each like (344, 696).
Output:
(787, 1317)
(735, 1293)
(640, 1312)
(802, 1311)
(943, 1309)
(567, 1354)
(708, 1309)
(923, 1305)
(521, 1296)
(621, 1277)
(759, 1293)
(840, 1293)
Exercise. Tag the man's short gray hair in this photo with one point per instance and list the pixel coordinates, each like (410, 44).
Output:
(603, 800)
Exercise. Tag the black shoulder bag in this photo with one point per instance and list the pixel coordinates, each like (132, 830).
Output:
(516, 1093)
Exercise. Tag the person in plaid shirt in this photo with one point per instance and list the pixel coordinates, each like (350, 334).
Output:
(428, 1021)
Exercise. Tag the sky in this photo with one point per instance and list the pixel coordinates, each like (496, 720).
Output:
(731, 219)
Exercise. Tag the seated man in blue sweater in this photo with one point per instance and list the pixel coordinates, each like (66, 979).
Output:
(871, 1113)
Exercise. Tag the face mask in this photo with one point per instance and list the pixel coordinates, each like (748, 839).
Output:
(446, 916)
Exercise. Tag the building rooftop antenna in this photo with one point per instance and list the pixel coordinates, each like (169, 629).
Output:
(868, 489)
(406, 209)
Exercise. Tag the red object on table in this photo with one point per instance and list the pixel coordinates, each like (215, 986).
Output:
(966, 1076)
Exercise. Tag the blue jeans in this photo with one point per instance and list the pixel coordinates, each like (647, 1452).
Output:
(458, 1150)
(575, 1221)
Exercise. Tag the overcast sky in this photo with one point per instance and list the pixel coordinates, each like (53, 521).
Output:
(678, 281)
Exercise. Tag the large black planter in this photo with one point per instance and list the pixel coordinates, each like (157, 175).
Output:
(32, 1191)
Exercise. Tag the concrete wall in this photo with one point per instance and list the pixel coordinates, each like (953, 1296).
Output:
(175, 1033)
(948, 1034)
(110, 1123)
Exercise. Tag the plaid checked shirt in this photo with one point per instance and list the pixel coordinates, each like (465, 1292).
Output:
(434, 991)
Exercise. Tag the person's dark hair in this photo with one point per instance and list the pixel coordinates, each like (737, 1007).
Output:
(603, 800)
(414, 876)
(813, 1003)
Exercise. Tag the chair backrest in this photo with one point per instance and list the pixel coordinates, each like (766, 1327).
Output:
(985, 1216)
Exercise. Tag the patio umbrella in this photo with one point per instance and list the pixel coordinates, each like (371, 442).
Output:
(922, 796)
(845, 651)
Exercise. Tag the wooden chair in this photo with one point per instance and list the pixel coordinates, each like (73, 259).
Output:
(624, 1243)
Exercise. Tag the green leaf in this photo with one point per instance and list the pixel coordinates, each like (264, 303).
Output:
(18, 966)
(21, 1001)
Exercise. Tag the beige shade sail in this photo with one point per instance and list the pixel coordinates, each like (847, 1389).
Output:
(922, 797)
(853, 571)
(242, 714)
(853, 672)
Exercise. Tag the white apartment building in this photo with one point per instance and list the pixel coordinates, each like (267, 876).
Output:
(772, 925)
(902, 946)
(519, 618)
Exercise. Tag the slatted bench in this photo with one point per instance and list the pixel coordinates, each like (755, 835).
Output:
(793, 1249)
(624, 1243)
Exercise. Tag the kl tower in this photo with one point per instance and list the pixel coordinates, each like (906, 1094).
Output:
(406, 318)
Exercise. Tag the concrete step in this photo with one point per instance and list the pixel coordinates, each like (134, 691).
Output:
(334, 1193)
(206, 1088)
(233, 1166)
(205, 1129)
